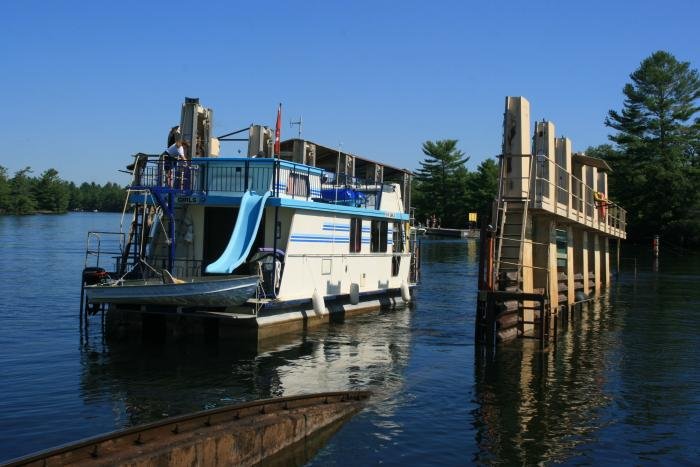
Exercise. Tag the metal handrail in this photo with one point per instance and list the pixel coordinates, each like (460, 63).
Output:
(237, 175)
(581, 197)
(95, 236)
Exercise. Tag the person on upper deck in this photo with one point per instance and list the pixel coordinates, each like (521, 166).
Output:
(174, 135)
(175, 152)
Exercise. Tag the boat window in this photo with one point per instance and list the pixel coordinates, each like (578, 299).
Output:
(355, 235)
(397, 237)
(298, 185)
(379, 232)
(395, 265)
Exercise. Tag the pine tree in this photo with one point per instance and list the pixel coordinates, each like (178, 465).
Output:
(656, 163)
(483, 188)
(441, 182)
(22, 199)
(51, 193)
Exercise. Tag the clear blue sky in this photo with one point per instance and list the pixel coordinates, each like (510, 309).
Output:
(86, 84)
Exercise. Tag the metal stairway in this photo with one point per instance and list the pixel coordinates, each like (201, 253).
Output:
(133, 251)
(511, 220)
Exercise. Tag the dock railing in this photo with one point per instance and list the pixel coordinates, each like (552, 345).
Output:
(572, 198)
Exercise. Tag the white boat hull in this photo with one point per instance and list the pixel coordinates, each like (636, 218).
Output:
(206, 291)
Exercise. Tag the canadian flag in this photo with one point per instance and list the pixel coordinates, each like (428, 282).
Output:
(278, 130)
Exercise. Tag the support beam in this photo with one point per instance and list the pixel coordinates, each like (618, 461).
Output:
(570, 272)
(596, 263)
(552, 269)
(606, 262)
(545, 258)
(563, 176)
(528, 278)
(516, 147)
(545, 168)
(584, 262)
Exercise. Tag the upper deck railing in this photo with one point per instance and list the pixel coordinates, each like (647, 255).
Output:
(570, 197)
(234, 176)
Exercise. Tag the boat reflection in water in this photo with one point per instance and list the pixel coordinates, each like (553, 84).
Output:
(536, 406)
(145, 382)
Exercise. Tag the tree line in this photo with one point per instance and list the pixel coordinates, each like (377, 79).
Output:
(445, 191)
(48, 193)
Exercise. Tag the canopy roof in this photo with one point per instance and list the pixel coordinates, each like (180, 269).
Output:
(327, 157)
(582, 158)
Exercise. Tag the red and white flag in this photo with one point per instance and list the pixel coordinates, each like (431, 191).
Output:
(278, 130)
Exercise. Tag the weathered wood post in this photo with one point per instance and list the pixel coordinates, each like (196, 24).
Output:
(570, 271)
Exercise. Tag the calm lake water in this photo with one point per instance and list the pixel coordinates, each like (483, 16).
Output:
(620, 385)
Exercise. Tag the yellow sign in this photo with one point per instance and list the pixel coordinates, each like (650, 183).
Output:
(472, 217)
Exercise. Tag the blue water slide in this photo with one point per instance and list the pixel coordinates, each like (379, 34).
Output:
(243, 236)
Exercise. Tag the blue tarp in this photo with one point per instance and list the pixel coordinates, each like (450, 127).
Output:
(344, 196)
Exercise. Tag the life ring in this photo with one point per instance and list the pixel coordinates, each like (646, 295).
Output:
(601, 203)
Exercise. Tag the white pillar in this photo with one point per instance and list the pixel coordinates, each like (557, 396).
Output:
(596, 263)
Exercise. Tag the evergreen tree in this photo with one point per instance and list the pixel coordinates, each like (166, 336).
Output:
(656, 161)
(22, 199)
(441, 183)
(483, 188)
(4, 191)
(74, 203)
(51, 193)
(113, 197)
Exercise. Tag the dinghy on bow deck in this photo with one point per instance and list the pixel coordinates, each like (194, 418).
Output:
(198, 291)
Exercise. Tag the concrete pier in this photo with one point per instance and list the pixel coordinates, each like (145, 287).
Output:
(553, 222)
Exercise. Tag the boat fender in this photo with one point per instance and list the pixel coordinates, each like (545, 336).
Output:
(354, 293)
(318, 303)
(405, 292)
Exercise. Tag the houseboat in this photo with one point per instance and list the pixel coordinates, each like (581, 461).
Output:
(293, 233)
(548, 247)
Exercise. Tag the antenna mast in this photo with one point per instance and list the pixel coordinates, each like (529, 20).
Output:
(300, 123)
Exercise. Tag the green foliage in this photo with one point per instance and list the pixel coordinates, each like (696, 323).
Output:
(4, 191)
(445, 188)
(91, 196)
(656, 161)
(440, 182)
(22, 199)
(483, 188)
(51, 192)
(23, 194)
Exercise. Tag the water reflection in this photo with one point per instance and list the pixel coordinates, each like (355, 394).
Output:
(146, 382)
(537, 406)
